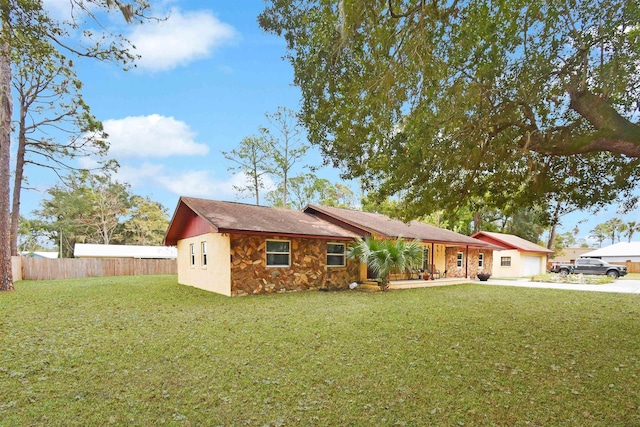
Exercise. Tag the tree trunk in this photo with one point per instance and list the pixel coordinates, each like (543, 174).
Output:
(476, 222)
(256, 184)
(284, 172)
(552, 233)
(6, 107)
(17, 182)
(552, 236)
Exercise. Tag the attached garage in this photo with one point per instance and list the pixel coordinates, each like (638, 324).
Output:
(531, 266)
(519, 258)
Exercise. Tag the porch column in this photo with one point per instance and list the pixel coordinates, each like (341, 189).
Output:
(466, 263)
(432, 263)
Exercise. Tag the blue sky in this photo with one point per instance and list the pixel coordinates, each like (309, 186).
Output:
(207, 76)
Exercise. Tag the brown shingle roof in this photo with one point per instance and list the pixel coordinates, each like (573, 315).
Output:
(240, 217)
(509, 241)
(383, 225)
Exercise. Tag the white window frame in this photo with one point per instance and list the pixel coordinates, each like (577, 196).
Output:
(192, 255)
(267, 253)
(505, 261)
(343, 255)
(481, 260)
(460, 260)
(203, 254)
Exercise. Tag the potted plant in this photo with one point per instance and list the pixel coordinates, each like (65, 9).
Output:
(483, 276)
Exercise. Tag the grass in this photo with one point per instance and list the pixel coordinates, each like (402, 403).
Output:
(146, 351)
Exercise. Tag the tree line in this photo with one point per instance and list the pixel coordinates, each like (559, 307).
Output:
(613, 229)
(92, 208)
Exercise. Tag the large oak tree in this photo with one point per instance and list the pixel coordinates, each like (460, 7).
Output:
(519, 103)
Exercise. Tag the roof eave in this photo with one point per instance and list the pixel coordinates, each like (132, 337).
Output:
(289, 235)
(171, 240)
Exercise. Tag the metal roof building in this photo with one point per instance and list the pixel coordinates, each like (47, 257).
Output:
(619, 252)
(85, 250)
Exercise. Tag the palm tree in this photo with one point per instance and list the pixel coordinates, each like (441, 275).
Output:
(615, 226)
(386, 255)
(600, 233)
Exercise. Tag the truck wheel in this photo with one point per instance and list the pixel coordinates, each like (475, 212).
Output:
(564, 272)
(613, 274)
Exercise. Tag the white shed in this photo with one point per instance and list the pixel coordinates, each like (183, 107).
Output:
(86, 250)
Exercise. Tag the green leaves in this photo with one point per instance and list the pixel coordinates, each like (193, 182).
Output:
(87, 208)
(438, 102)
(384, 256)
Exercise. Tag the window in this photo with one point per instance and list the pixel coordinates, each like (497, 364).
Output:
(505, 261)
(278, 253)
(425, 258)
(481, 260)
(192, 254)
(460, 260)
(336, 255)
(203, 246)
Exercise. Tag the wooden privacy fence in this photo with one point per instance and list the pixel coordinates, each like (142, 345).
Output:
(632, 267)
(74, 268)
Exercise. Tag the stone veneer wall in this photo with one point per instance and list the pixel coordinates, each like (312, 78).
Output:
(451, 258)
(308, 270)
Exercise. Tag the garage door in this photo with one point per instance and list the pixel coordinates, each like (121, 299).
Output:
(531, 266)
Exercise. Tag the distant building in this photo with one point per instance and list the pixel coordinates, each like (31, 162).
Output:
(40, 254)
(620, 252)
(84, 250)
(568, 255)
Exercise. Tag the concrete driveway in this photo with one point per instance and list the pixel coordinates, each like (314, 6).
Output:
(620, 285)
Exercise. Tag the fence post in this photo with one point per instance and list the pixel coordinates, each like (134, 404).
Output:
(16, 268)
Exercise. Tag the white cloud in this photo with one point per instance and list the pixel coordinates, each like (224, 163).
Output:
(197, 184)
(88, 162)
(64, 9)
(138, 175)
(200, 183)
(181, 39)
(151, 136)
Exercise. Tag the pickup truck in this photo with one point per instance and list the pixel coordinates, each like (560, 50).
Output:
(590, 266)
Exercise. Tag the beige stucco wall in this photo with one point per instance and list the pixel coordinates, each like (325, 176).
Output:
(439, 257)
(517, 268)
(216, 276)
(499, 271)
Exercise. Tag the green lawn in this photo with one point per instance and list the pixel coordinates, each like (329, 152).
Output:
(146, 351)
